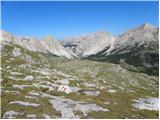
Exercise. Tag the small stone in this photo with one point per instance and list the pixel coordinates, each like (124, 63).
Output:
(112, 91)
(31, 116)
(33, 93)
(29, 77)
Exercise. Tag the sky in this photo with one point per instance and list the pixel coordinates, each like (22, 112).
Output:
(62, 19)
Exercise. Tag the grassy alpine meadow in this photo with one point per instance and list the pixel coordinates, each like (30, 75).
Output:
(104, 90)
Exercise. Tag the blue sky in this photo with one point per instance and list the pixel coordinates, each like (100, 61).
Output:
(62, 19)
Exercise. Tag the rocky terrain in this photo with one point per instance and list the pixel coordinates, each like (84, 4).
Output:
(47, 79)
(46, 45)
(136, 50)
(89, 44)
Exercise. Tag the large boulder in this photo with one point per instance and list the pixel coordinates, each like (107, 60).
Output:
(64, 88)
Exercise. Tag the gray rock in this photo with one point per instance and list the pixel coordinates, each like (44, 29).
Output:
(67, 106)
(16, 52)
(30, 77)
(91, 93)
(63, 81)
(10, 114)
(112, 91)
(24, 103)
(148, 104)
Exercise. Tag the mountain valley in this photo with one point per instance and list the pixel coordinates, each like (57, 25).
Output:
(101, 75)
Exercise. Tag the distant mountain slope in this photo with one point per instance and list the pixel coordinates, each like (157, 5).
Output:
(137, 47)
(89, 44)
(46, 45)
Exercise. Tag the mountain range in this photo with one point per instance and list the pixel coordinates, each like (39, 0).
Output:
(136, 50)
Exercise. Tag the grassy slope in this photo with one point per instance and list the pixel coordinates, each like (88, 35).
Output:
(104, 75)
(139, 59)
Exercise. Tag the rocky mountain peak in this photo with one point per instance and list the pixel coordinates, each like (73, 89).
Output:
(51, 42)
(48, 39)
(7, 36)
(147, 26)
(89, 44)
